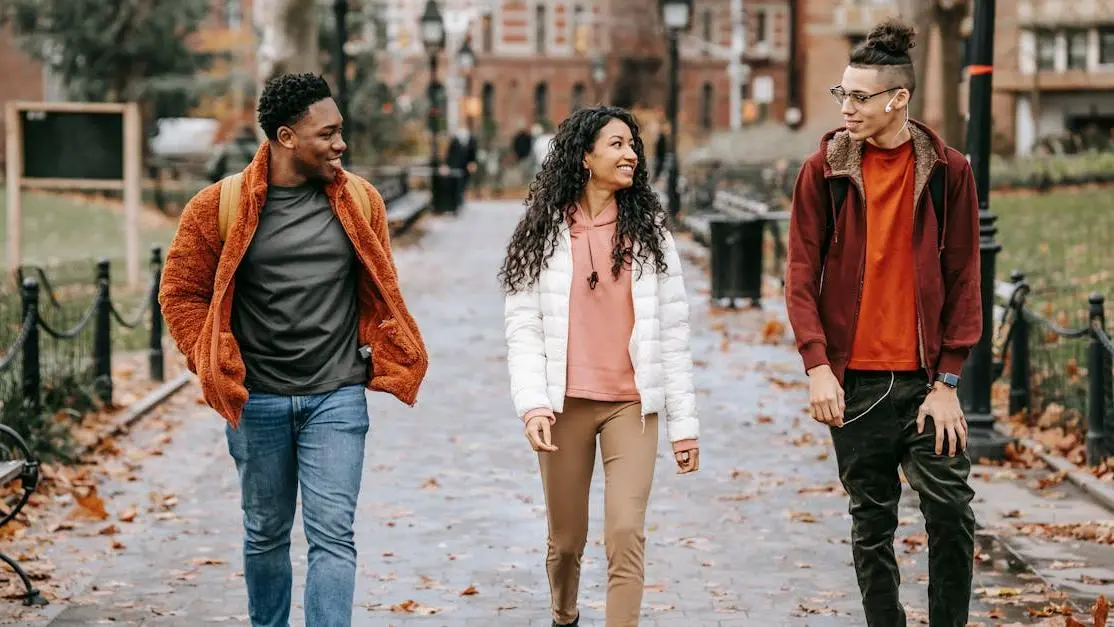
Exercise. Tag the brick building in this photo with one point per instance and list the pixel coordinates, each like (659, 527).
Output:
(21, 78)
(534, 58)
(1054, 69)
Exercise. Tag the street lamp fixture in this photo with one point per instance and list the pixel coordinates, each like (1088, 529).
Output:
(599, 75)
(433, 28)
(599, 70)
(466, 61)
(675, 15)
(465, 57)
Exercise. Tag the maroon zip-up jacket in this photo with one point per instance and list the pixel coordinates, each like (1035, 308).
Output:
(823, 295)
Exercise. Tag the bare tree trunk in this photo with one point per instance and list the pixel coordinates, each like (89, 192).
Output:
(920, 13)
(287, 38)
(949, 20)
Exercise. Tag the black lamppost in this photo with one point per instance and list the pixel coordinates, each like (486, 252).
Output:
(433, 36)
(974, 389)
(599, 75)
(675, 15)
(340, 12)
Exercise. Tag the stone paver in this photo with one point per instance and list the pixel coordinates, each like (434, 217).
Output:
(452, 499)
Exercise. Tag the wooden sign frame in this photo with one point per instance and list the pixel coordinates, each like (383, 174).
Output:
(131, 184)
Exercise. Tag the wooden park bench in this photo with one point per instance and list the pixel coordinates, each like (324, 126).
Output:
(19, 464)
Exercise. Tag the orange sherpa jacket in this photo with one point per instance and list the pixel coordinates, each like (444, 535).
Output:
(199, 278)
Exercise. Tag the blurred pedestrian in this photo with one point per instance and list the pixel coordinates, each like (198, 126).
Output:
(884, 299)
(597, 333)
(461, 156)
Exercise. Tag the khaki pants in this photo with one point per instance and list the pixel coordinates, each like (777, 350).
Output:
(628, 452)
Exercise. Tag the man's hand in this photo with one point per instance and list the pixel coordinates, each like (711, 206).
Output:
(538, 434)
(825, 396)
(942, 406)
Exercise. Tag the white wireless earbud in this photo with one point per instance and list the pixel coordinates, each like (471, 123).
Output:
(890, 104)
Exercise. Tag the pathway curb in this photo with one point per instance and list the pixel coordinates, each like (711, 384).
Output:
(138, 410)
(1094, 488)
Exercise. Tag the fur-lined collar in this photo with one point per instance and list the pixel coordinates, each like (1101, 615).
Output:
(844, 156)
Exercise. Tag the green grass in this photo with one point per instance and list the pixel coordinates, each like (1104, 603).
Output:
(59, 230)
(1064, 242)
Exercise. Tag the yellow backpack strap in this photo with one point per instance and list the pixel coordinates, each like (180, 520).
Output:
(229, 202)
(359, 194)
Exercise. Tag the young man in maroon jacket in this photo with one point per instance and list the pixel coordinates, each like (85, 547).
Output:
(882, 288)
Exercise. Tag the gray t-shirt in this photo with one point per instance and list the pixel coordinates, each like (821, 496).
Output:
(295, 313)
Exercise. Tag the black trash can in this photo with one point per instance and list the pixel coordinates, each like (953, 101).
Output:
(445, 189)
(736, 258)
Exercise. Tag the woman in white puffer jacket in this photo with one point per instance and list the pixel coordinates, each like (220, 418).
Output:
(598, 347)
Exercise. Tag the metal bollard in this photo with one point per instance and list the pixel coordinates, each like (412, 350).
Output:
(1097, 375)
(1019, 355)
(156, 360)
(32, 373)
(102, 335)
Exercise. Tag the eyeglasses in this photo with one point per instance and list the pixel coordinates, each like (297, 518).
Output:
(841, 95)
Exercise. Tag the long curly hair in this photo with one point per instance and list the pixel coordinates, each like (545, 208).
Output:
(552, 199)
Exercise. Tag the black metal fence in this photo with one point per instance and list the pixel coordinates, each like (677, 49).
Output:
(1080, 359)
(57, 354)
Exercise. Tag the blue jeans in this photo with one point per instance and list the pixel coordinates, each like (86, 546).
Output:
(318, 442)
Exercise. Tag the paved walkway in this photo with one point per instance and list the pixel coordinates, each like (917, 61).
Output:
(452, 504)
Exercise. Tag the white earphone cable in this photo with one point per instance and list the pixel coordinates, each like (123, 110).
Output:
(876, 403)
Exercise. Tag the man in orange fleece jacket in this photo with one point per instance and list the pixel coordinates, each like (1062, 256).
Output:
(280, 321)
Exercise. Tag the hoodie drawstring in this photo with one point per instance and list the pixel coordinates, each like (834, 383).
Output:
(594, 278)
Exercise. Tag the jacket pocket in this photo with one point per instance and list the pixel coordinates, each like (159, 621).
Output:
(231, 361)
(392, 344)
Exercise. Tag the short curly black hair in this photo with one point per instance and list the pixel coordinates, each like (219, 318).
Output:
(286, 98)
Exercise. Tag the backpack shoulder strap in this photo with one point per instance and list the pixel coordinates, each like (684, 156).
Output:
(359, 194)
(229, 202)
(936, 186)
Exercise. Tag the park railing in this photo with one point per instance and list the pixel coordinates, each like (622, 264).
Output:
(1025, 335)
(57, 359)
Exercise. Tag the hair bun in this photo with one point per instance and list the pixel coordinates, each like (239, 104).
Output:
(892, 37)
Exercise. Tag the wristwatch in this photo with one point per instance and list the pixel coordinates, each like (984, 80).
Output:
(948, 379)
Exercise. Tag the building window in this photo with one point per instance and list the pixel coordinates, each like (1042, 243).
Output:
(578, 92)
(233, 14)
(761, 27)
(1046, 50)
(707, 29)
(540, 34)
(1106, 45)
(707, 107)
(541, 102)
(1077, 49)
(488, 99)
(487, 36)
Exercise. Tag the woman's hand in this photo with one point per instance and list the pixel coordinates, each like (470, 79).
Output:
(687, 455)
(538, 433)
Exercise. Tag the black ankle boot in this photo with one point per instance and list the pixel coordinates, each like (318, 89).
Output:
(574, 623)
